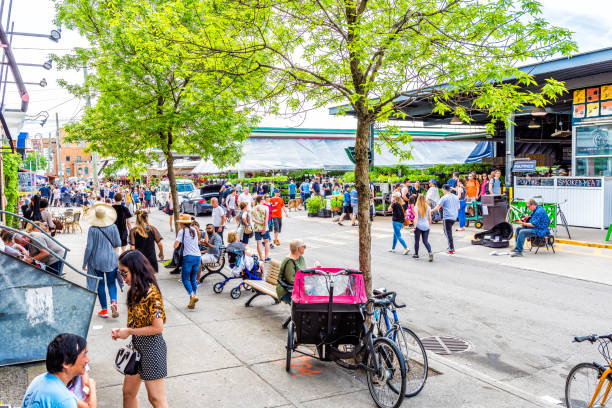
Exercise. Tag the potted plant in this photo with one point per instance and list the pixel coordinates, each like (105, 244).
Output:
(313, 205)
(336, 203)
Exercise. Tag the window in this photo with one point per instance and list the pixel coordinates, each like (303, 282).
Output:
(86, 171)
(79, 159)
(67, 158)
(68, 172)
(594, 150)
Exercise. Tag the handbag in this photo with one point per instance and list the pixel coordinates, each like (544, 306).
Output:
(248, 229)
(127, 360)
(177, 256)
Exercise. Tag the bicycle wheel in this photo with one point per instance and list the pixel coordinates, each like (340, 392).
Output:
(387, 385)
(290, 345)
(580, 387)
(564, 222)
(415, 358)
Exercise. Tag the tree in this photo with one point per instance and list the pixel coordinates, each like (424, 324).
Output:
(35, 161)
(150, 99)
(370, 54)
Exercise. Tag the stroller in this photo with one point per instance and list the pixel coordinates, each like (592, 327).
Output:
(241, 267)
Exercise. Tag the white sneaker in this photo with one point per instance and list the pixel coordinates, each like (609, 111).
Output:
(392, 250)
(407, 251)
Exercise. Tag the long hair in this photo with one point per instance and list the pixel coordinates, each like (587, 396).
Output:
(421, 205)
(142, 219)
(142, 275)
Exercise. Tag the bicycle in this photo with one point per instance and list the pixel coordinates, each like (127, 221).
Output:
(415, 356)
(514, 214)
(328, 311)
(586, 380)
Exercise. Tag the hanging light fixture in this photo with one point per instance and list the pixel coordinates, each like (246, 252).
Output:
(539, 112)
(456, 120)
(533, 124)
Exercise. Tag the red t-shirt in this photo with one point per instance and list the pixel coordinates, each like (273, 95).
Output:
(277, 207)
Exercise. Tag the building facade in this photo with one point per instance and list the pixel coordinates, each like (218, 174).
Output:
(73, 160)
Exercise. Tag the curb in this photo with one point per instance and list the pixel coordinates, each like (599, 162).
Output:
(582, 243)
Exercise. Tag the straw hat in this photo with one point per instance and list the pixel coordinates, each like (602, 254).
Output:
(184, 219)
(101, 215)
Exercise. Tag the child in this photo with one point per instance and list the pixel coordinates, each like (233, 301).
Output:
(79, 386)
(410, 211)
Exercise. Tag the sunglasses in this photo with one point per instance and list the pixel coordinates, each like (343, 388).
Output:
(303, 246)
(123, 274)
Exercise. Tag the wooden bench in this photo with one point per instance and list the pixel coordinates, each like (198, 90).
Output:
(267, 286)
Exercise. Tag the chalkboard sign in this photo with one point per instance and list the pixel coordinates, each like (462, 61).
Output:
(579, 182)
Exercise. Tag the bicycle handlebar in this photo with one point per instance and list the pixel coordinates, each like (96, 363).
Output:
(382, 299)
(592, 338)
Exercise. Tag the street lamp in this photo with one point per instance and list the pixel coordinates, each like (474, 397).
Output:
(54, 35)
(48, 64)
(42, 83)
(43, 114)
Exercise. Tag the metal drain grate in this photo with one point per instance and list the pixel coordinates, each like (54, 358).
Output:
(445, 344)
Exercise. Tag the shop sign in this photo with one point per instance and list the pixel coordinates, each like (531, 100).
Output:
(592, 102)
(524, 166)
(535, 181)
(579, 182)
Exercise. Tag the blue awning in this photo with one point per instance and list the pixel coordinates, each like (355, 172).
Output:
(482, 149)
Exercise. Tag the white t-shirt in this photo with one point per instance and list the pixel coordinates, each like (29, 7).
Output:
(217, 216)
(245, 198)
(190, 244)
(433, 195)
(231, 202)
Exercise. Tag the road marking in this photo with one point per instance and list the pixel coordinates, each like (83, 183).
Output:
(552, 400)
(595, 252)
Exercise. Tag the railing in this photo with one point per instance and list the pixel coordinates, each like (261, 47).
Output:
(66, 249)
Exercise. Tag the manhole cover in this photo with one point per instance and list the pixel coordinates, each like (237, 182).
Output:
(445, 344)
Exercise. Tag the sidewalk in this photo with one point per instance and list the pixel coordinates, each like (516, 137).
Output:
(226, 355)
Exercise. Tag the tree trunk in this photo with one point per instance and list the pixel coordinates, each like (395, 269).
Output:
(362, 183)
(172, 180)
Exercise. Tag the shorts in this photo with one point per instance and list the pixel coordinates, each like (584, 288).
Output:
(292, 196)
(355, 208)
(124, 239)
(277, 224)
(153, 352)
(209, 259)
(262, 235)
(346, 209)
(245, 238)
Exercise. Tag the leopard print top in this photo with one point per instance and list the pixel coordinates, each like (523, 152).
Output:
(150, 307)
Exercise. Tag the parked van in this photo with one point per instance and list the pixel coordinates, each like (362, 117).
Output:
(183, 186)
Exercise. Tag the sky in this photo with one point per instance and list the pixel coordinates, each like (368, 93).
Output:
(590, 20)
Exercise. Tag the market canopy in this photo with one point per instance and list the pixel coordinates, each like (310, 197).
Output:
(283, 154)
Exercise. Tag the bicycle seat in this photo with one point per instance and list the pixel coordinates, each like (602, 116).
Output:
(379, 291)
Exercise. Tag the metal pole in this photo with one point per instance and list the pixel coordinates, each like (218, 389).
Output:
(60, 174)
(509, 152)
(94, 155)
(6, 72)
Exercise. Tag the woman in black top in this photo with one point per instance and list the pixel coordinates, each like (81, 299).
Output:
(143, 237)
(397, 209)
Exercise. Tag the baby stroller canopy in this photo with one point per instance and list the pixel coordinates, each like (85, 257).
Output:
(313, 286)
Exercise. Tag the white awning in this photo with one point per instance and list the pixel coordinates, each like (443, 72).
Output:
(295, 154)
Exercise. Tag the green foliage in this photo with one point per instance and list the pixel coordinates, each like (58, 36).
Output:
(11, 162)
(275, 179)
(336, 202)
(35, 161)
(314, 204)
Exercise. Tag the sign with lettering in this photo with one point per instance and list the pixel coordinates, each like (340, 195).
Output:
(579, 182)
(524, 166)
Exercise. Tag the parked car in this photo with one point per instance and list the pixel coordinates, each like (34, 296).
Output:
(183, 186)
(197, 203)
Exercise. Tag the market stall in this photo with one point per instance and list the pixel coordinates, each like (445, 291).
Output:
(585, 201)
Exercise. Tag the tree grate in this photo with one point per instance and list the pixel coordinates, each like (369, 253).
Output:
(445, 344)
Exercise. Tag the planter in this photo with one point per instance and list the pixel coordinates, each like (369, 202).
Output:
(324, 213)
(311, 215)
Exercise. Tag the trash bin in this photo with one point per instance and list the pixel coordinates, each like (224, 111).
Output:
(494, 210)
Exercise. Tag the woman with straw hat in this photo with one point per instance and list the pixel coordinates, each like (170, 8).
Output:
(189, 237)
(100, 255)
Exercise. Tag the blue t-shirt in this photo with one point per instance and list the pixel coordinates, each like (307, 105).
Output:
(48, 391)
(353, 197)
(452, 183)
(540, 219)
(496, 185)
(305, 188)
(450, 205)
(135, 197)
(347, 198)
(147, 195)
(292, 188)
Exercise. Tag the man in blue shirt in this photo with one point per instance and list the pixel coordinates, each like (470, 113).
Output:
(537, 225)
(346, 204)
(452, 182)
(292, 190)
(66, 359)
(450, 206)
(305, 191)
(354, 206)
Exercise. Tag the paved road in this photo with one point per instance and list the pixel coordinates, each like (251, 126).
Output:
(518, 321)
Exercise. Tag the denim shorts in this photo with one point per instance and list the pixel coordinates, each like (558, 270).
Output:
(262, 235)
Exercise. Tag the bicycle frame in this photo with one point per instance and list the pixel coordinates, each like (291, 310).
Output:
(604, 376)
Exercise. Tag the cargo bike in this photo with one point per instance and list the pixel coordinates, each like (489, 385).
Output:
(328, 313)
